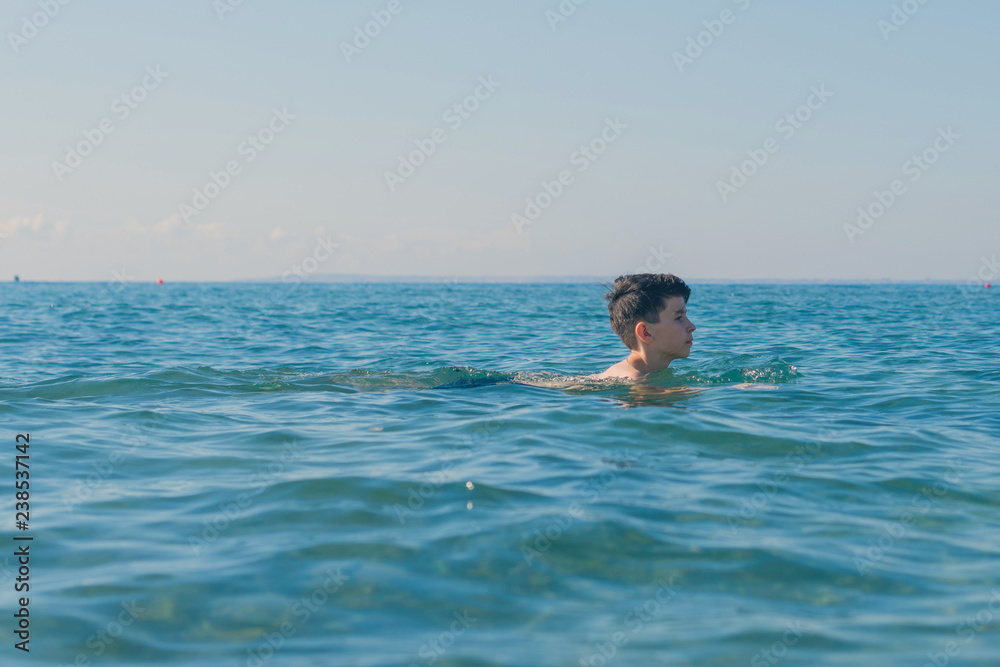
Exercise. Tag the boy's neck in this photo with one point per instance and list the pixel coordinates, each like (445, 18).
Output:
(644, 365)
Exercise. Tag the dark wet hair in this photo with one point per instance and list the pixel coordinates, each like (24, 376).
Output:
(640, 297)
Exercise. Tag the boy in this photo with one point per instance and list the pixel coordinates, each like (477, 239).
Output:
(649, 313)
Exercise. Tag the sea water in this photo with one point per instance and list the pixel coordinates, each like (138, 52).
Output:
(420, 474)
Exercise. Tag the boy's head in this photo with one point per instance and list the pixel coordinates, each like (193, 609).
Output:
(650, 308)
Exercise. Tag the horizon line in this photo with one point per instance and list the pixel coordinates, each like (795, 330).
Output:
(538, 279)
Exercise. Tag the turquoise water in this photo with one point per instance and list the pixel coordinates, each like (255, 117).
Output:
(416, 474)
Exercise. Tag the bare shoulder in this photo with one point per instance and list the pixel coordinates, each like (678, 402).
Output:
(621, 370)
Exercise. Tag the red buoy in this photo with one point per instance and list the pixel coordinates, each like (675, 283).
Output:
(986, 285)
(159, 281)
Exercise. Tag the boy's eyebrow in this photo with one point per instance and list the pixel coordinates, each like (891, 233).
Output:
(680, 310)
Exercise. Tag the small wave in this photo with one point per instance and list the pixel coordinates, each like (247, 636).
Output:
(448, 377)
(737, 370)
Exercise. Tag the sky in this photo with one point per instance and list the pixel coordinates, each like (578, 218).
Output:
(204, 140)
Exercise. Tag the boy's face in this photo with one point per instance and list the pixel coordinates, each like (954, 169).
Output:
(672, 335)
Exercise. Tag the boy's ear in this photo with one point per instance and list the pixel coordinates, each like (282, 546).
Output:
(642, 333)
